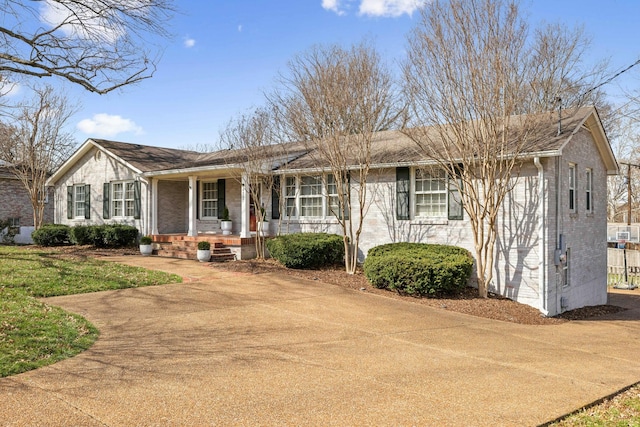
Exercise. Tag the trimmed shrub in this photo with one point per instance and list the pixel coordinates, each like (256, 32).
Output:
(204, 246)
(119, 235)
(146, 240)
(51, 235)
(419, 268)
(102, 236)
(307, 250)
(79, 235)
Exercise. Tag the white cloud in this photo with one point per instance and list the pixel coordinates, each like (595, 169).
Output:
(334, 6)
(383, 8)
(240, 28)
(189, 42)
(388, 8)
(10, 89)
(107, 125)
(93, 27)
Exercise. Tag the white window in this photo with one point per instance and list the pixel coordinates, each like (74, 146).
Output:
(290, 196)
(209, 199)
(311, 196)
(79, 201)
(123, 199)
(431, 194)
(588, 189)
(572, 188)
(333, 199)
(117, 202)
(14, 225)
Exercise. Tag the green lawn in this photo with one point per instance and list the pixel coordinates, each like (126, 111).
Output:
(621, 410)
(35, 334)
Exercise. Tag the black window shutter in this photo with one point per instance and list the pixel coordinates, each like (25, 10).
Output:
(275, 198)
(347, 198)
(197, 199)
(221, 197)
(402, 193)
(137, 199)
(106, 187)
(455, 210)
(69, 202)
(87, 201)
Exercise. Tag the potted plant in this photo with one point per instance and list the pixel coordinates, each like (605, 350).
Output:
(204, 251)
(263, 224)
(146, 248)
(225, 222)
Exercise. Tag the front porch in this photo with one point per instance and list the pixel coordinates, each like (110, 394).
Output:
(223, 248)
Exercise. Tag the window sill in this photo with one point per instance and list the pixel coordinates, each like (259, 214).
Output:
(312, 220)
(430, 221)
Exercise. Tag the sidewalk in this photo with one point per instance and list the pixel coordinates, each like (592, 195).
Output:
(240, 349)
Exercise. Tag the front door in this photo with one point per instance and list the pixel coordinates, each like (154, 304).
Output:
(252, 210)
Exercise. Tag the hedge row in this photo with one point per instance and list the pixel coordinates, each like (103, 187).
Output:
(307, 250)
(419, 268)
(101, 236)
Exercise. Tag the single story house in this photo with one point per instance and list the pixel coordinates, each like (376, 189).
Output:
(15, 206)
(551, 252)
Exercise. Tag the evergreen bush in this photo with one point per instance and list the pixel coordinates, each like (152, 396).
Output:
(51, 235)
(419, 268)
(307, 250)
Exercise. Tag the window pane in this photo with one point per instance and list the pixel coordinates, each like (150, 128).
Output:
(79, 200)
(117, 208)
(291, 207)
(311, 206)
(310, 186)
(431, 194)
(209, 200)
(210, 208)
(117, 191)
(129, 194)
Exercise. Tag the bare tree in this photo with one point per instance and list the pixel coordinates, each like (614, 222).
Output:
(334, 100)
(254, 153)
(100, 45)
(34, 143)
(480, 80)
(623, 189)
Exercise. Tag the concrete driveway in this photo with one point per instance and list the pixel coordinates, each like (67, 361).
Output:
(238, 349)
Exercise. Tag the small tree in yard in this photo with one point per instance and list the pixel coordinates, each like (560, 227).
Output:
(251, 139)
(34, 143)
(334, 100)
(479, 83)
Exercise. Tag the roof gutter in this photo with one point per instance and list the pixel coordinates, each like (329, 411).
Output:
(182, 171)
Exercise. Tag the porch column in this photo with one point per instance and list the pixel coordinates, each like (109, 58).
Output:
(154, 206)
(193, 230)
(245, 197)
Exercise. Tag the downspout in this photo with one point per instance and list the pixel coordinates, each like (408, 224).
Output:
(542, 241)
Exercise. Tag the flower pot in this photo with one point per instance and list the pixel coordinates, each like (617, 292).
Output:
(146, 250)
(226, 227)
(203, 255)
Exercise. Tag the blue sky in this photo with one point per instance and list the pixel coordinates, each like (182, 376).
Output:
(225, 54)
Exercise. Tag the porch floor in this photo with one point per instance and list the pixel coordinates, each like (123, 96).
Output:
(230, 240)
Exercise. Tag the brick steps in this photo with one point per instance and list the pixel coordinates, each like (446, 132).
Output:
(187, 249)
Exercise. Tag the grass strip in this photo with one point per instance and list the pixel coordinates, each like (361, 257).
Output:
(34, 334)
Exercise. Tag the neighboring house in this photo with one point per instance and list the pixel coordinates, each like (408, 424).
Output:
(551, 252)
(15, 205)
